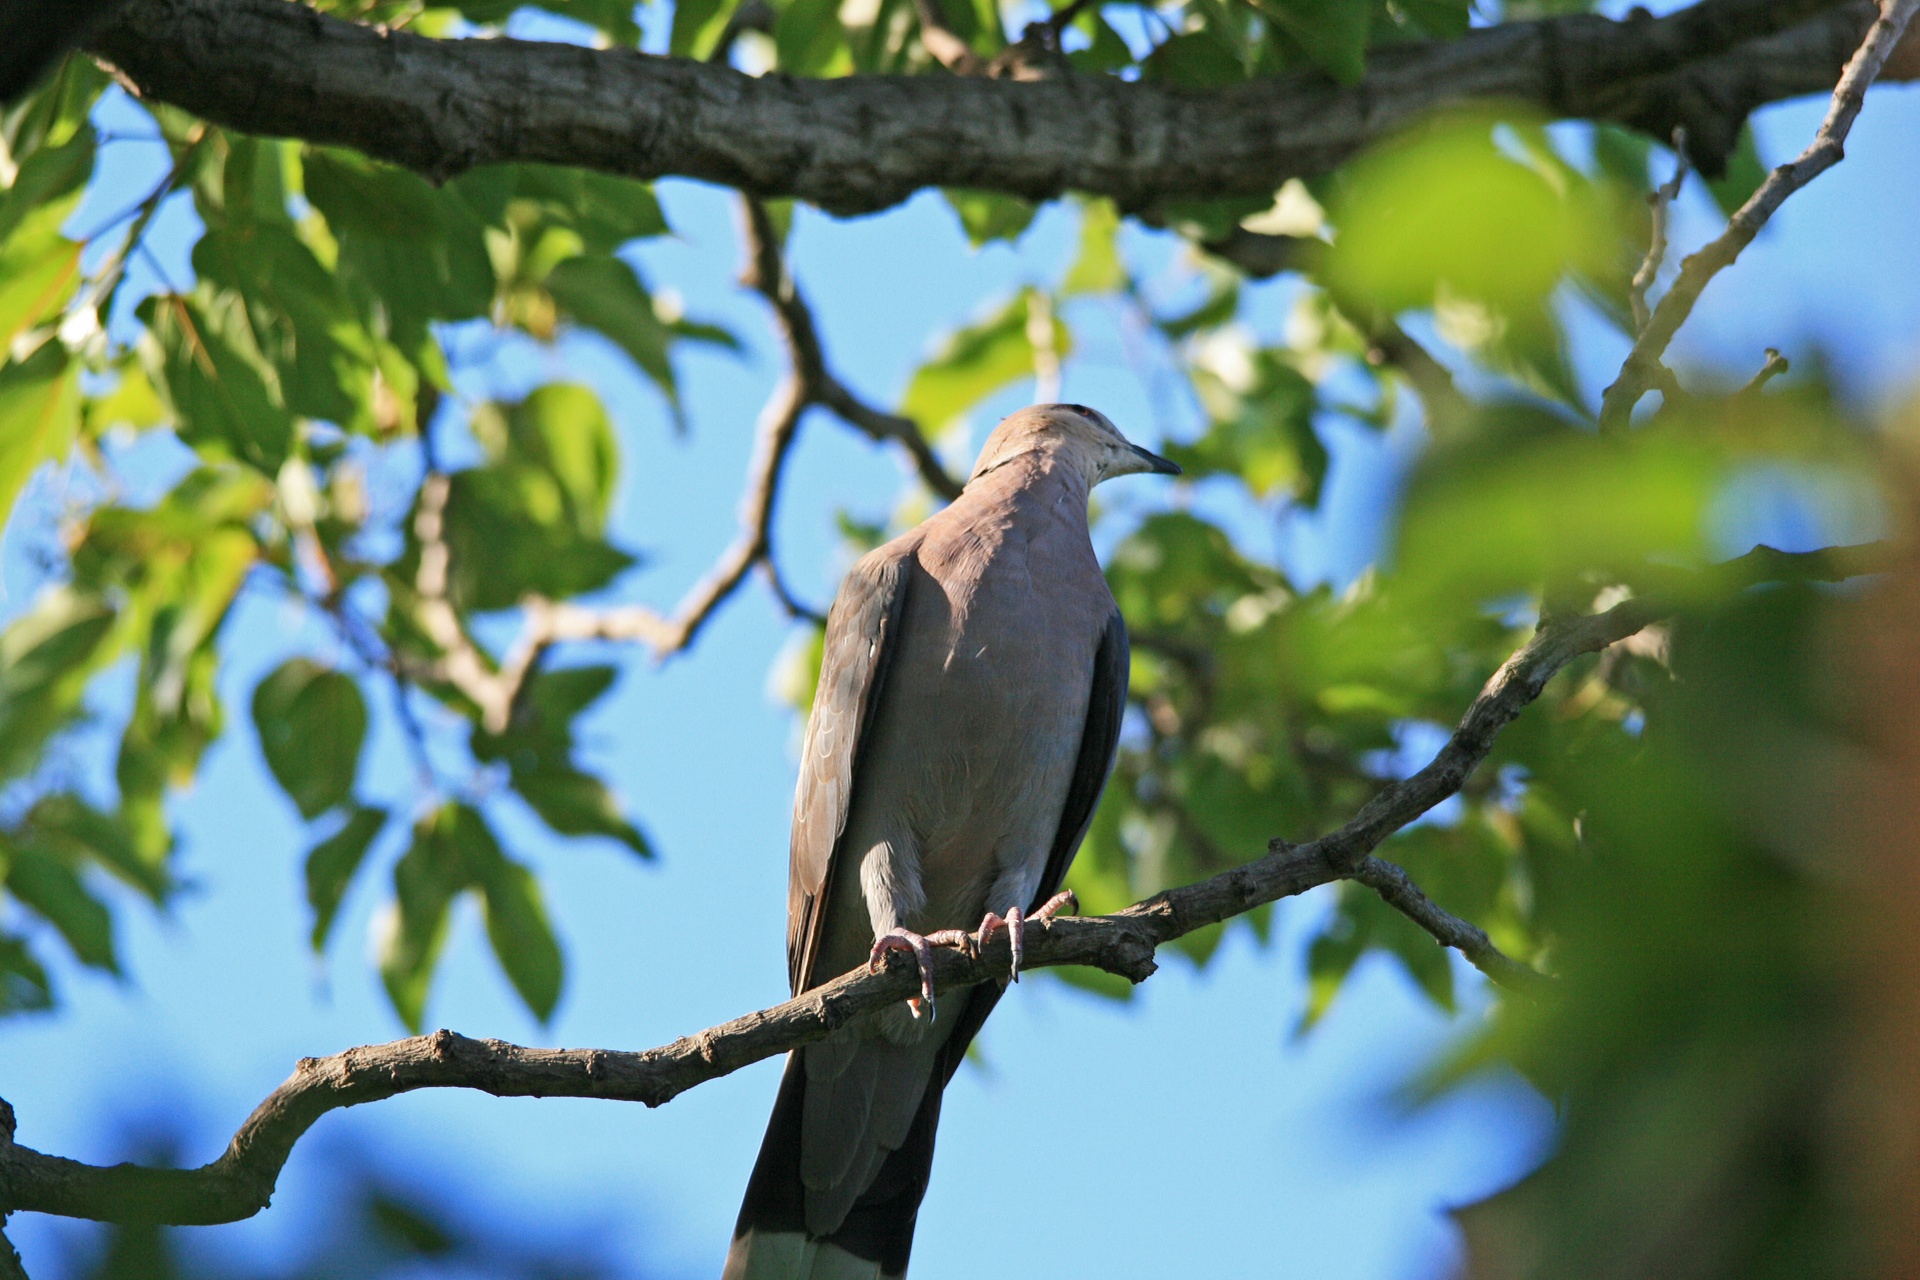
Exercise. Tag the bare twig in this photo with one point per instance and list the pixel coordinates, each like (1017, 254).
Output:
(1775, 365)
(1660, 205)
(1637, 375)
(768, 276)
(940, 41)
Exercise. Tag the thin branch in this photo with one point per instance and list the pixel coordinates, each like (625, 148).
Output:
(1638, 374)
(861, 143)
(1660, 205)
(241, 1181)
(943, 44)
(1774, 365)
(768, 276)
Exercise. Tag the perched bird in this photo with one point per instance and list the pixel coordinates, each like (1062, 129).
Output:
(968, 706)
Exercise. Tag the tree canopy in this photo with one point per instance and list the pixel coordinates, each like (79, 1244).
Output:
(1639, 842)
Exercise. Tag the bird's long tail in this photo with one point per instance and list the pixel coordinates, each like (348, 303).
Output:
(872, 1241)
(771, 1241)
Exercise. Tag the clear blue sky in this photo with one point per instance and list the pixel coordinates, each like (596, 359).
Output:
(1186, 1133)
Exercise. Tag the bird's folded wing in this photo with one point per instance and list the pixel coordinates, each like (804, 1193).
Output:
(865, 617)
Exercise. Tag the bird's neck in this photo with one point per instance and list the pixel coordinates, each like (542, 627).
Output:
(1038, 475)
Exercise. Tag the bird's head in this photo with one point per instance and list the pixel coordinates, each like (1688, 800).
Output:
(1081, 438)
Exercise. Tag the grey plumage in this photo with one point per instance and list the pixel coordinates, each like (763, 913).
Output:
(968, 706)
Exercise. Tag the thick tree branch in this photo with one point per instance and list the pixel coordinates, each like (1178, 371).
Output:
(1643, 369)
(866, 142)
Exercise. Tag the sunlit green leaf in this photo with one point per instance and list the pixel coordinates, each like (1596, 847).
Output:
(987, 215)
(522, 938)
(981, 358)
(331, 865)
(578, 804)
(312, 722)
(1097, 267)
(39, 413)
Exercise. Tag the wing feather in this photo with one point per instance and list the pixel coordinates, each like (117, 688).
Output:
(853, 669)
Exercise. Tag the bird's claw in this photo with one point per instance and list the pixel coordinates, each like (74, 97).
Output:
(922, 950)
(1015, 924)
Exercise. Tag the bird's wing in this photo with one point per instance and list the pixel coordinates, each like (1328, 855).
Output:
(865, 617)
(1105, 706)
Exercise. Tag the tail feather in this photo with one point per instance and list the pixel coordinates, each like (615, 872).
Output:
(771, 1240)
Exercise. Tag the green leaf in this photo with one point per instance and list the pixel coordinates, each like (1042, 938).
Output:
(221, 391)
(1106, 50)
(987, 215)
(1198, 58)
(417, 252)
(312, 723)
(808, 39)
(45, 658)
(514, 530)
(51, 887)
(39, 413)
(39, 271)
(48, 185)
(574, 803)
(67, 824)
(522, 938)
(331, 865)
(604, 294)
(698, 26)
(1743, 175)
(1262, 430)
(1331, 33)
(978, 360)
(1444, 208)
(1097, 267)
(425, 880)
(23, 981)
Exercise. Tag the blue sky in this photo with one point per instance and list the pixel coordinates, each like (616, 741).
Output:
(1187, 1132)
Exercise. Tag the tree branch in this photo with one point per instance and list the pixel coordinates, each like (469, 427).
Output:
(1643, 364)
(241, 1181)
(862, 143)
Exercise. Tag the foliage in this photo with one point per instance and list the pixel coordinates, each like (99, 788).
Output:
(307, 372)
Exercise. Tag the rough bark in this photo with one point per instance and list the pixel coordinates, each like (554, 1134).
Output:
(862, 143)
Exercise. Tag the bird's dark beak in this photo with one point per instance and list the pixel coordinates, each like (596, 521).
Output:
(1155, 463)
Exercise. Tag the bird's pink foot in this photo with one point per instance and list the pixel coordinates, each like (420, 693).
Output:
(1015, 924)
(922, 950)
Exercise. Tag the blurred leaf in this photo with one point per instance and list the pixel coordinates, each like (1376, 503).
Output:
(23, 982)
(39, 271)
(698, 26)
(331, 865)
(45, 657)
(605, 295)
(419, 251)
(1197, 58)
(1097, 268)
(46, 187)
(512, 535)
(987, 215)
(522, 939)
(1443, 205)
(578, 804)
(221, 391)
(1106, 50)
(52, 888)
(132, 404)
(39, 412)
(808, 39)
(454, 851)
(65, 823)
(977, 361)
(410, 1227)
(312, 723)
(1262, 431)
(1333, 33)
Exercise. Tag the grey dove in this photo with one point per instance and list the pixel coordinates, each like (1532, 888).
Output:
(969, 702)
